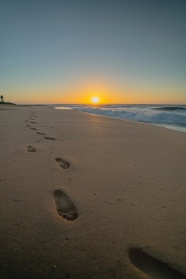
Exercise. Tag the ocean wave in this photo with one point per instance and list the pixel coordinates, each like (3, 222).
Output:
(173, 117)
(142, 114)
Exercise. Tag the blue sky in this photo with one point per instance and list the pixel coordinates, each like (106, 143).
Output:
(59, 51)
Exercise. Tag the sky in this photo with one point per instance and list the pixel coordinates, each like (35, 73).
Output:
(67, 51)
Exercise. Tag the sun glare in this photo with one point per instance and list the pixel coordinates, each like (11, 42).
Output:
(95, 100)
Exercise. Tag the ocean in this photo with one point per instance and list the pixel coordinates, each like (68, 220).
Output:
(168, 116)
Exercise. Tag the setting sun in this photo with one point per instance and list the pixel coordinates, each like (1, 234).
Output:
(95, 99)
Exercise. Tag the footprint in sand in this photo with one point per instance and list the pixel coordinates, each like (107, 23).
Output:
(33, 122)
(31, 149)
(33, 128)
(49, 138)
(39, 133)
(63, 164)
(65, 206)
(153, 267)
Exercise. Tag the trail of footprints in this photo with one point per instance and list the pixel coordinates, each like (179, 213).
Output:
(65, 208)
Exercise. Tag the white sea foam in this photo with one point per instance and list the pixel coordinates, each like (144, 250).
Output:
(63, 108)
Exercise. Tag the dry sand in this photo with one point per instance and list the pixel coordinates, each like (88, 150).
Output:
(85, 196)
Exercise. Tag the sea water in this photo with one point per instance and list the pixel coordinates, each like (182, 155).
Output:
(169, 116)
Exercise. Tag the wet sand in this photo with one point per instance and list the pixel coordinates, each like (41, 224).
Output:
(86, 196)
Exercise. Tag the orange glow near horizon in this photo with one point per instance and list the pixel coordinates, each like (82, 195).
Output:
(98, 93)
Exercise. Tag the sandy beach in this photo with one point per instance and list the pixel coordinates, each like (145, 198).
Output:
(87, 196)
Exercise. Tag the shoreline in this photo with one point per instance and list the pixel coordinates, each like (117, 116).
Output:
(86, 196)
(171, 126)
(166, 126)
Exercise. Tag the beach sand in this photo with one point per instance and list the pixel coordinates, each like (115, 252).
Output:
(86, 196)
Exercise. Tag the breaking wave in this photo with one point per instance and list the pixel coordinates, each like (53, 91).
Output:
(173, 116)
